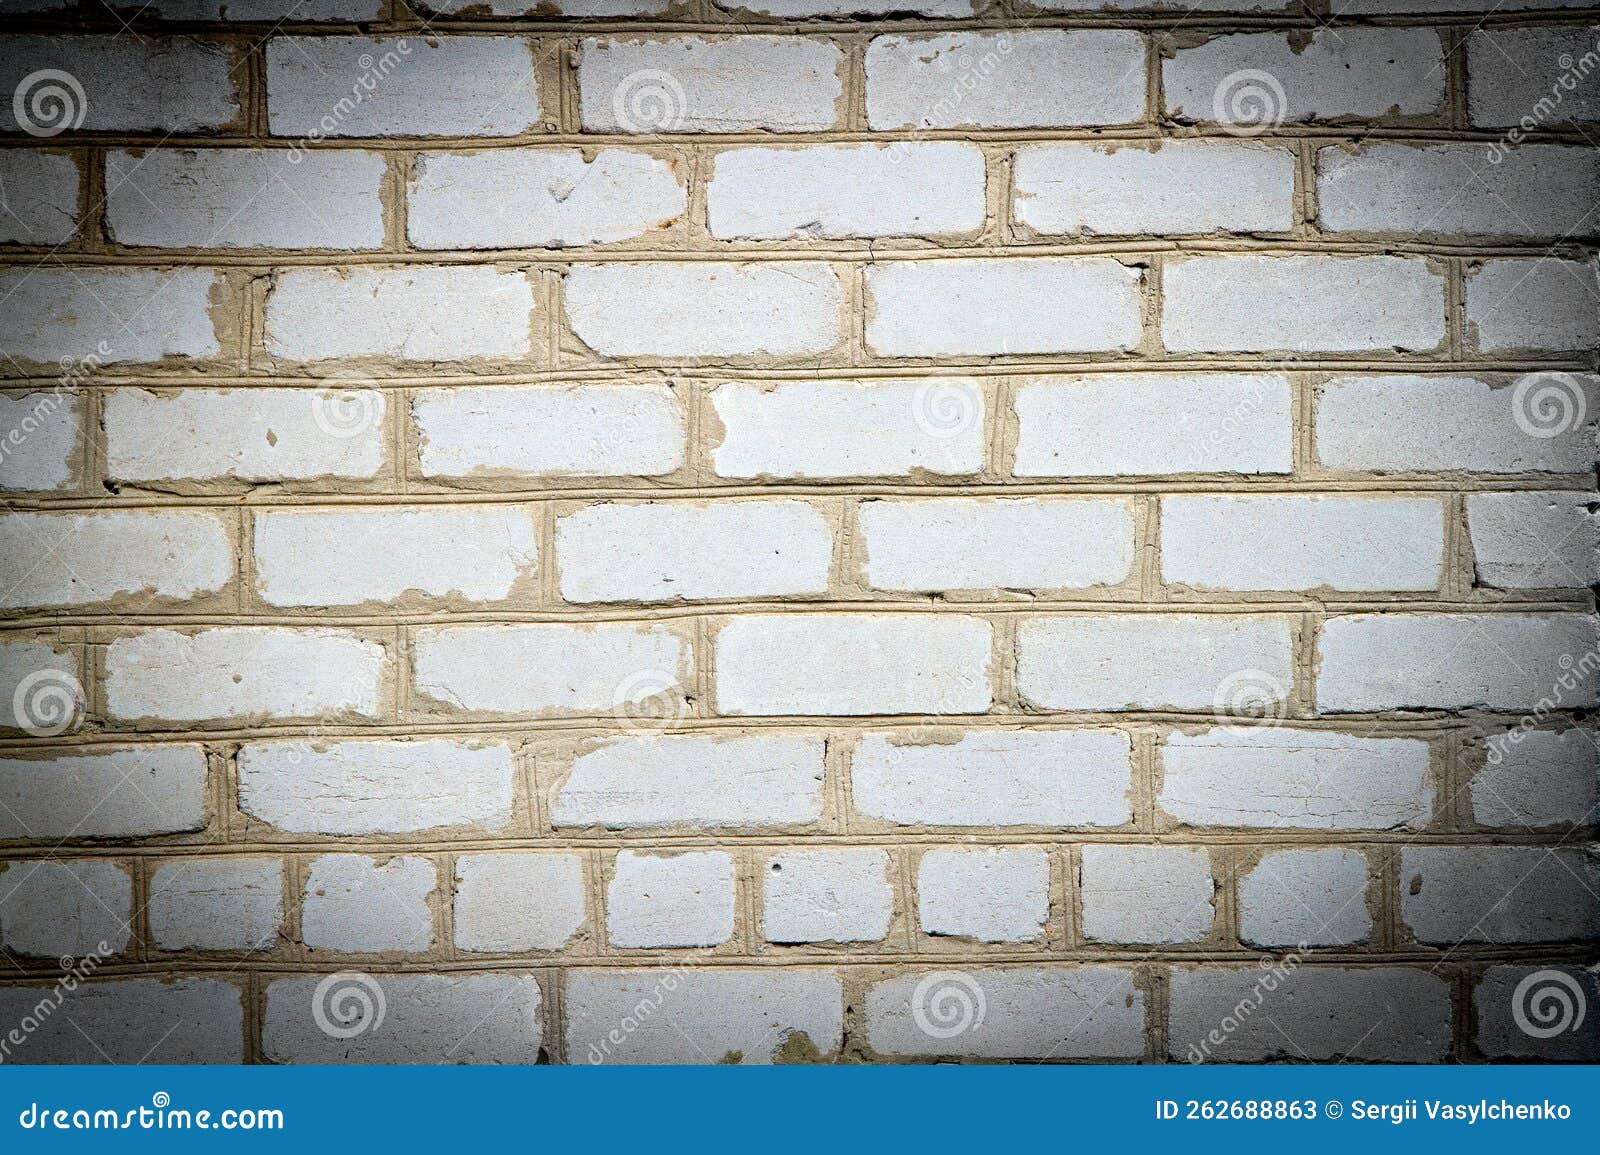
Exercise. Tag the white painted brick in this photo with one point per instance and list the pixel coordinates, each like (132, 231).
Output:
(1052, 305)
(1543, 1001)
(853, 664)
(1017, 544)
(455, 1018)
(1017, 1013)
(1301, 304)
(1146, 894)
(1295, 898)
(517, 901)
(1500, 894)
(1260, 79)
(691, 84)
(1534, 304)
(356, 904)
(233, 903)
(132, 1021)
(1514, 77)
(526, 198)
(705, 309)
(1376, 662)
(544, 431)
(245, 198)
(338, 86)
(243, 672)
(107, 316)
(1431, 423)
(849, 428)
(856, 190)
(251, 435)
(672, 551)
(341, 557)
(1118, 663)
(1302, 543)
(702, 1016)
(128, 793)
(38, 197)
(1248, 1014)
(309, 787)
(827, 895)
(992, 894)
(1535, 190)
(41, 687)
(1273, 778)
(165, 84)
(1154, 423)
(1178, 187)
(551, 669)
(673, 900)
(60, 910)
(80, 559)
(410, 314)
(991, 79)
(1534, 540)
(1536, 778)
(694, 781)
(39, 441)
(1050, 778)
(269, 11)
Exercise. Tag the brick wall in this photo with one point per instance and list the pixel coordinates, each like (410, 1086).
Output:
(632, 530)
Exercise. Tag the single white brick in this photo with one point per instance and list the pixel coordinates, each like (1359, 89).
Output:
(66, 909)
(128, 793)
(245, 198)
(827, 895)
(991, 79)
(1537, 778)
(41, 687)
(39, 441)
(1014, 544)
(1127, 662)
(80, 559)
(674, 900)
(852, 190)
(1147, 894)
(992, 894)
(690, 84)
(1525, 77)
(107, 316)
(694, 781)
(309, 787)
(1050, 778)
(1272, 778)
(253, 435)
(705, 309)
(518, 901)
(1297, 898)
(1154, 423)
(550, 430)
(1374, 662)
(165, 84)
(332, 86)
(1510, 999)
(131, 1021)
(428, 1019)
(356, 904)
(1534, 304)
(1051, 305)
(244, 672)
(1407, 424)
(1249, 1014)
(1176, 187)
(671, 551)
(849, 428)
(233, 903)
(526, 198)
(39, 195)
(1260, 80)
(1017, 1013)
(1500, 894)
(457, 313)
(553, 669)
(1301, 304)
(709, 1015)
(1535, 540)
(853, 664)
